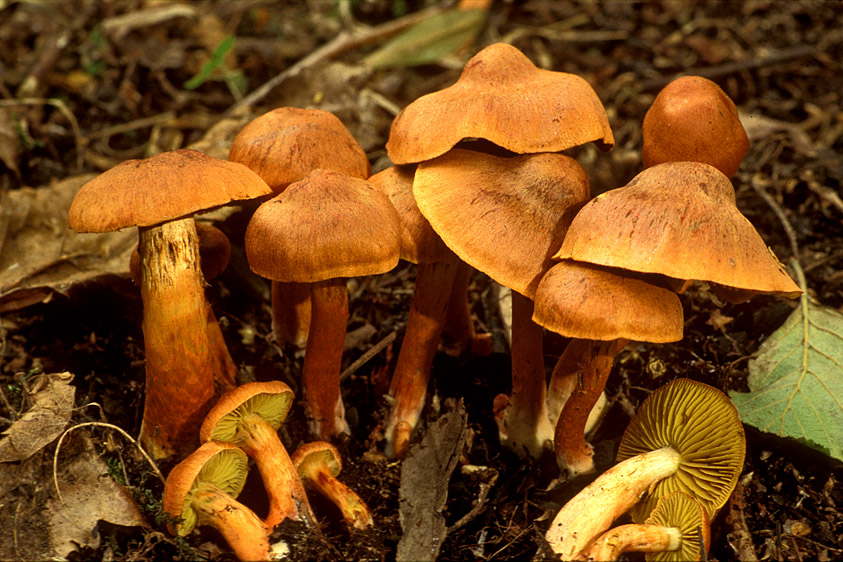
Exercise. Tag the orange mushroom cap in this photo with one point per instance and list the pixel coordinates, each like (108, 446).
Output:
(693, 120)
(285, 144)
(501, 96)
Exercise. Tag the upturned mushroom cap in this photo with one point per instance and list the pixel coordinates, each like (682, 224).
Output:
(419, 242)
(677, 219)
(318, 453)
(221, 464)
(285, 144)
(685, 513)
(324, 226)
(270, 399)
(693, 120)
(502, 97)
(168, 186)
(700, 423)
(588, 302)
(504, 216)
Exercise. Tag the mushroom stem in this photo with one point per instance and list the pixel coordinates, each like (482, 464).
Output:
(611, 495)
(633, 538)
(564, 380)
(353, 509)
(460, 335)
(291, 312)
(593, 360)
(524, 426)
(287, 498)
(244, 532)
(323, 359)
(225, 370)
(421, 339)
(179, 374)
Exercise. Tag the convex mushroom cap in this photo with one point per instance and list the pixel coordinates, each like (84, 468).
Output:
(201, 490)
(504, 216)
(168, 186)
(677, 219)
(502, 97)
(319, 463)
(285, 144)
(692, 119)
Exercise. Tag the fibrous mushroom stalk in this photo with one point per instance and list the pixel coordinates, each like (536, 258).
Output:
(179, 380)
(633, 538)
(353, 509)
(611, 495)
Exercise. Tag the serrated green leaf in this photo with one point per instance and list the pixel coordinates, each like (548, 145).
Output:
(796, 382)
(430, 40)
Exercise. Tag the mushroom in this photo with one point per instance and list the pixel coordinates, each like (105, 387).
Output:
(506, 216)
(321, 230)
(677, 530)
(282, 146)
(602, 309)
(502, 97)
(249, 417)
(201, 490)
(160, 195)
(318, 464)
(677, 219)
(686, 436)
(214, 253)
(693, 120)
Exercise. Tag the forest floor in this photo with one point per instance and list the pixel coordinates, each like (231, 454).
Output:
(83, 87)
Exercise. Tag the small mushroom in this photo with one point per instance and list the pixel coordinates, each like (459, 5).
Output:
(282, 146)
(249, 417)
(318, 464)
(671, 533)
(686, 436)
(602, 310)
(160, 195)
(202, 490)
(321, 230)
(693, 120)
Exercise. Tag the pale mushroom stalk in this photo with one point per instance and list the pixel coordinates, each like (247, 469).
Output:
(323, 359)
(564, 379)
(611, 495)
(244, 532)
(524, 426)
(632, 538)
(421, 339)
(177, 350)
(593, 360)
(291, 310)
(287, 498)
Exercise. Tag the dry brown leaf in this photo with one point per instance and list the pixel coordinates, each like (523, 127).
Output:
(10, 148)
(52, 401)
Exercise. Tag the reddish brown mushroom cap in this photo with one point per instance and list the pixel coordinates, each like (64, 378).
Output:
(677, 219)
(351, 229)
(504, 98)
(693, 120)
(504, 216)
(154, 190)
(285, 144)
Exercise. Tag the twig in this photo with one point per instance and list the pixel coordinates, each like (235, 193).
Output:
(343, 42)
(62, 107)
(132, 125)
(485, 487)
(371, 352)
(791, 234)
(712, 72)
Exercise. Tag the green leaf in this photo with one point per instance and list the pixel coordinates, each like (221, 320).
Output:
(430, 40)
(216, 61)
(796, 382)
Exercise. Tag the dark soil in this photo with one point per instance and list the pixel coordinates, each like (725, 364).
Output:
(781, 60)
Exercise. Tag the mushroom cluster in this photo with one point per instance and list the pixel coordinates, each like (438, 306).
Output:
(480, 182)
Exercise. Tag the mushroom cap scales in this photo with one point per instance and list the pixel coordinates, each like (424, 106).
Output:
(171, 185)
(502, 97)
(677, 219)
